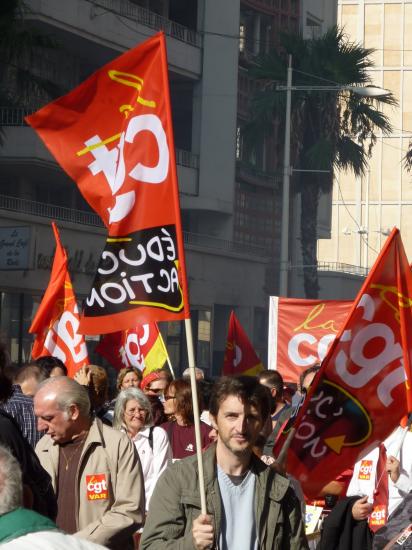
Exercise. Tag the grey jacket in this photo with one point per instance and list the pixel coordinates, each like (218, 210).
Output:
(176, 503)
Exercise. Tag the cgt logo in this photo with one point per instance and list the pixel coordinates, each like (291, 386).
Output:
(378, 516)
(365, 470)
(96, 486)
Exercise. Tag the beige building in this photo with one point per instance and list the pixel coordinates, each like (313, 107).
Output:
(366, 209)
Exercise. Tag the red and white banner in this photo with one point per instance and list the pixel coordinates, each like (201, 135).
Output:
(113, 135)
(56, 321)
(141, 347)
(364, 387)
(240, 356)
(301, 332)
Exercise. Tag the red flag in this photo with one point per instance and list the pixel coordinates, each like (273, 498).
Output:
(379, 515)
(240, 357)
(56, 321)
(364, 386)
(113, 135)
(301, 332)
(141, 347)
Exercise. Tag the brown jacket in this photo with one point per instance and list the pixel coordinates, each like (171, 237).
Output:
(108, 465)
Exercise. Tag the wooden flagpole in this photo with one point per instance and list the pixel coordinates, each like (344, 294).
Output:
(196, 413)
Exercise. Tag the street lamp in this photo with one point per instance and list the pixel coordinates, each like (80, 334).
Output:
(364, 91)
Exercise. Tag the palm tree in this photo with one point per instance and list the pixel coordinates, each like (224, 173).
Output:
(330, 129)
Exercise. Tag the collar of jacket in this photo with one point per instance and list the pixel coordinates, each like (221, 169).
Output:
(270, 486)
(94, 435)
(263, 474)
(260, 469)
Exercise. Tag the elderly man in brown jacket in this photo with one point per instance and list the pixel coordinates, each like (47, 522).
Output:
(95, 470)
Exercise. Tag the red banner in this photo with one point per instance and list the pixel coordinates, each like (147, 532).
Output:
(113, 135)
(240, 357)
(364, 387)
(56, 321)
(141, 347)
(301, 332)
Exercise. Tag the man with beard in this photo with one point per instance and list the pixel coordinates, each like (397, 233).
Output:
(249, 505)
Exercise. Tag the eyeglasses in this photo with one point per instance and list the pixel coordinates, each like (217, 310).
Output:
(133, 412)
(167, 397)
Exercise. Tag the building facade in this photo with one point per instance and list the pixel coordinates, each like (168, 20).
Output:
(366, 209)
(230, 200)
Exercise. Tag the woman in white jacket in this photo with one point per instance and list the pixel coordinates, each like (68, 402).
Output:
(133, 415)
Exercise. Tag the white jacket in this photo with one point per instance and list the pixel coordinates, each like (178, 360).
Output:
(153, 461)
(364, 473)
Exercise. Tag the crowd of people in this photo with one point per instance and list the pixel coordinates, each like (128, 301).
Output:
(81, 468)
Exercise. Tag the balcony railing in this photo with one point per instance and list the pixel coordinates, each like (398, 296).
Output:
(25, 206)
(151, 19)
(205, 242)
(10, 116)
(214, 243)
(187, 158)
(343, 268)
(15, 117)
(253, 175)
(274, 6)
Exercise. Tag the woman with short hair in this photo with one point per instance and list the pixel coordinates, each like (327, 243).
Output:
(129, 377)
(133, 415)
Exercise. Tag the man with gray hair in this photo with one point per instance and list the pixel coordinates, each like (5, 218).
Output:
(199, 374)
(21, 528)
(95, 470)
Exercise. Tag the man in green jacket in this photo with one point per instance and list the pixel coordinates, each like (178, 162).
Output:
(249, 505)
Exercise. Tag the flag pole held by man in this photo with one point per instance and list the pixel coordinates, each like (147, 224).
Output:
(113, 136)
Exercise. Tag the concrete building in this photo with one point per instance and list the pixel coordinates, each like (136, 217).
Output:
(365, 209)
(230, 202)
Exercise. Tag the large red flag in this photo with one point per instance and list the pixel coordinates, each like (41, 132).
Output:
(141, 347)
(301, 331)
(240, 357)
(56, 321)
(113, 135)
(364, 387)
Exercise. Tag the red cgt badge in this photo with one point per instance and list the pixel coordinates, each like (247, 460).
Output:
(96, 486)
(378, 516)
(365, 470)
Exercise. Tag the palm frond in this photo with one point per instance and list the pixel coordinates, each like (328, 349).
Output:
(350, 155)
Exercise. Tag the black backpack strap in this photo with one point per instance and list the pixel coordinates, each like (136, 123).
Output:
(151, 436)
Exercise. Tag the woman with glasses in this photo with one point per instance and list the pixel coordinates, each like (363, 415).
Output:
(180, 427)
(153, 385)
(133, 415)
